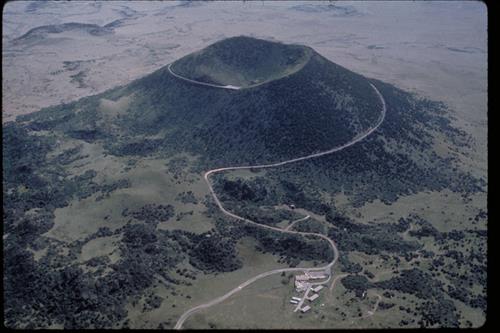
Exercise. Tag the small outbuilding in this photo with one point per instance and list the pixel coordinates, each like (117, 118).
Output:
(305, 308)
(317, 288)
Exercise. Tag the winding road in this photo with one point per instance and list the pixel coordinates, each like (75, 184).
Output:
(375, 307)
(201, 83)
(294, 222)
(327, 267)
(298, 68)
(336, 278)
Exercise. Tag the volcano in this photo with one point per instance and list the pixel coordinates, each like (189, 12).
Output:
(289, 101)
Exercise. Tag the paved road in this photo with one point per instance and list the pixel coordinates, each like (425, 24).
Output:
(372, 312)
(299, 220)
(404, 234)
(368, 313)
(217, 300)
(335, 280)
(231, 86)
(303, 299)
(201, 83)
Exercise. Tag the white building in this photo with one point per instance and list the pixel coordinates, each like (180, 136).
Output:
(303, 277)
(301, 282)
(313, 297)
(305, 308)
(316, 275)
(294, 301)
(296, 298)
(300, 286)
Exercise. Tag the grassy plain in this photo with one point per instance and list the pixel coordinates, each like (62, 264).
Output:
(205, 288)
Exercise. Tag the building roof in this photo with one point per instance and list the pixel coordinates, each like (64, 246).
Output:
(317, 288)
(300, 286)
(305, 308)
(313, 297)
(317, 275)
(301, 277)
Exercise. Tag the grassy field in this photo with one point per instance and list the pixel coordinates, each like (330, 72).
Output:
(150, 182)
(445, 210)
(266, 305)
(102, 246)
(205, 288)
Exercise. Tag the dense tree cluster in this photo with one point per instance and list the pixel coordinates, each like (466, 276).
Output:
(413, 281)
(239, 190)
(357, 283)
(41, 295)
(187, 197)
(290, 246)
(22, 153)
(152, 302)
(370, 239)
(24, 229)
(106, 189)
(151, 213)
(213, 253)
(385, 305)
(177, 166)
(440, 313)
(347, 266)
(434, 310)
(426, 229)
(142, 147)
(246, 195)
(70, 155)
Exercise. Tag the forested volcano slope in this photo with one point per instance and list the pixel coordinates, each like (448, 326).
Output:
(320, 106)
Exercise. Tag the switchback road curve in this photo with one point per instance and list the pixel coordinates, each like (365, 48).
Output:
(207, 174)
